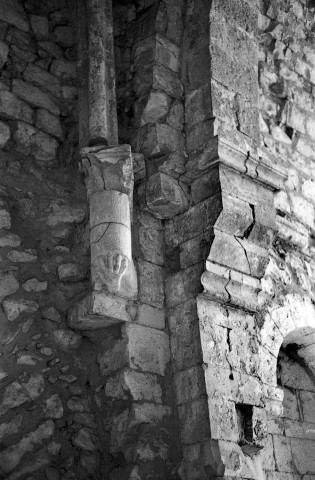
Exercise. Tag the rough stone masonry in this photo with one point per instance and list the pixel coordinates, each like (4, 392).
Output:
(157, 239)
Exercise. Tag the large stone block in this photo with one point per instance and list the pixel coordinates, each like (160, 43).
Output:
(157, 77)
(14, 14)
(151, 317)
(198, 135)
(34, 96)
(156, 49)
(198, 106)
(194, 421)
(165, 197)
(158, 139)
(184, 285)
(12, 107)
(141, 386)
(151, 287)
(49, 123)
(227, 251)
(189, 384)
(43, 79)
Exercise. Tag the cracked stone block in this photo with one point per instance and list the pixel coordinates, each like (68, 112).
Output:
(165, 198)
(236, 216)
(226, 250)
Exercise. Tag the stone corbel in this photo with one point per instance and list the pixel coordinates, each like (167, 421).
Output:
(109, 183)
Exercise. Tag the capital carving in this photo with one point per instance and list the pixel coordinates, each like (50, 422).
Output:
(109, 182)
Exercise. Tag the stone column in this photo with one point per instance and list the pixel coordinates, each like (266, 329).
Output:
(109, 182)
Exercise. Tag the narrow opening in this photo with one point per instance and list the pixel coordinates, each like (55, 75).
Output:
(245, 423)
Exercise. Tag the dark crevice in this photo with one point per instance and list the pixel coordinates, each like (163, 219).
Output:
(250, 228)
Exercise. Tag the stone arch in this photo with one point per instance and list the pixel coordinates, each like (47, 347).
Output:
(288, 335)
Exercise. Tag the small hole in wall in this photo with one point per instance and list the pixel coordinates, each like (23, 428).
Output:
(245, 423)
(231, 376)
(289, 130)
(311, 4)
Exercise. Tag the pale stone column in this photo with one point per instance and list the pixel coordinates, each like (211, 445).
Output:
(101, 80)
(109, 181)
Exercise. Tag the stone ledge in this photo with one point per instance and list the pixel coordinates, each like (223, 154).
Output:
(251, 166)
(100, 310)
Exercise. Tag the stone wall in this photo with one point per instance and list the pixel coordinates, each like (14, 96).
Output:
(180, 379)
(51, 422)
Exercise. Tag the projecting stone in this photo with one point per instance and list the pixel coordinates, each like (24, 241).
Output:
(10, 240)
(14, 308)
(8, 285)
(34, 96)
(49, 123)
(4, 50)
(13, 108)
(12, 12)
(5, 134)
(165, 198)
(39, 26)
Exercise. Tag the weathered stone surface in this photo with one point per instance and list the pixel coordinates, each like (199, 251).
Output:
(71, 272)
(44, 80)
(65, 214)
(31, 141)
(151, 289)
(64, 36)
(5, 219)
(83, 440)
(165, 197)
(53, 407)
(63, 69)
(13, 13)
(5, 134)
(34, 96)
(13, 108)
(39, 26)
(49, 123)
(67, 339)
(151, 317)
(14, 308)
(11, 456)
(34, 285)
(21, 257)
(141, 386)
(8, 285)
(4, 50)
